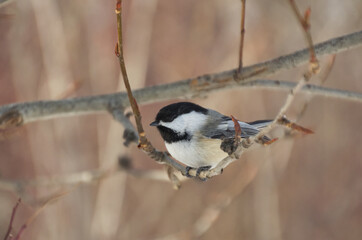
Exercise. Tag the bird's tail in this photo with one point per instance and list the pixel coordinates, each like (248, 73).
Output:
(260, 124)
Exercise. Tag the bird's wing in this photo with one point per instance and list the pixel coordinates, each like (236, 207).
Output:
(222, 127)
(226, 129)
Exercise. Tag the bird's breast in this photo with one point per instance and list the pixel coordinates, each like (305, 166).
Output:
(197, 153)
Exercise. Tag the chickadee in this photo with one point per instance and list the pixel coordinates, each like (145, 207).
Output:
(193, 134)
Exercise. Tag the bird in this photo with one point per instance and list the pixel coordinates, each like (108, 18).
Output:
(193, 134)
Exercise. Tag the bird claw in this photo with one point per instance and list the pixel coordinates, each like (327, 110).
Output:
(187, 174)
(198, 171)
(201, 169)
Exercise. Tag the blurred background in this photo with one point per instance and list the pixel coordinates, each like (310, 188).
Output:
(301, 187)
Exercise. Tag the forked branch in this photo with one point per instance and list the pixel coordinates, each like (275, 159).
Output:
(280, 117)
(13, 115)
(17, 114)
(144, 143)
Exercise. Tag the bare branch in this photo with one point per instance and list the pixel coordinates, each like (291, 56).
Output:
(308, 88)
(280, 117)
(323, 76)
(18, 113)
(41, 110)
(130, 134)
(85, 177)
(68, 180)
(95, 175)
(38, 211)
(304, 23)
(12, 219)
(132, 100)
(212, 211)
(242, 34)
(4, 3)
(144, 143)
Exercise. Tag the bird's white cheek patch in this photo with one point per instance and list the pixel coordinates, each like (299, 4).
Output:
(189, 122)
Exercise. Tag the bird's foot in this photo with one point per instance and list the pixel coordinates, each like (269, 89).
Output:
(201, 169)
(198, 171)
(188, 172)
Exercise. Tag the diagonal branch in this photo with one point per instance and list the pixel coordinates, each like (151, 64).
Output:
(132, 100)
(130, 134)
(279, 119)
(7, 235)
(144, 143)
(20, 113)
(95, 175)
(323, 76)
(38, 211)
(305, 24)
(4, 3)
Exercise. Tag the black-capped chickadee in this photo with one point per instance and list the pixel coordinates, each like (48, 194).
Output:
(193, 134)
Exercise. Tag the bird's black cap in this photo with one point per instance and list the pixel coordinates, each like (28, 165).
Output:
(172, 111)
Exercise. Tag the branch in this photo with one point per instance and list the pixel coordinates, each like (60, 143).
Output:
(21, 113)
(119, 53)
(129, 134)
(12, 219)
(4, 3)
(144, 143)
(38, 211)
(308, 88)
(42, 110)
(95, 175)
(90, 176)
(305, 24)
(242, 34)
(84, 177)
(323, 76)
(211, 211)
(313, 69)
(280, 117)
(68, 180)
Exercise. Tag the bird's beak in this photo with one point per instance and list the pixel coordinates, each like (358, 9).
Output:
(154, 124)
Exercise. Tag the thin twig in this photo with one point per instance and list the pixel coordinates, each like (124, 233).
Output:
(248, 142)
(242, 34)
(132, 100)
(17, 237)
(70, 89)
(28, 112)
(94, 175)
(83, 177)
(323, 76)
(12, 219)
(211, 212)
(42, 110)
(38, 211)
(4, 3)
(89, 176)
(288, 102)
(144, 143)
(313, 65)
(305, 24)
(130, 134)
(308, 88)
(19, 113)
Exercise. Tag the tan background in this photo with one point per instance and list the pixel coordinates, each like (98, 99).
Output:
(306, 187)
